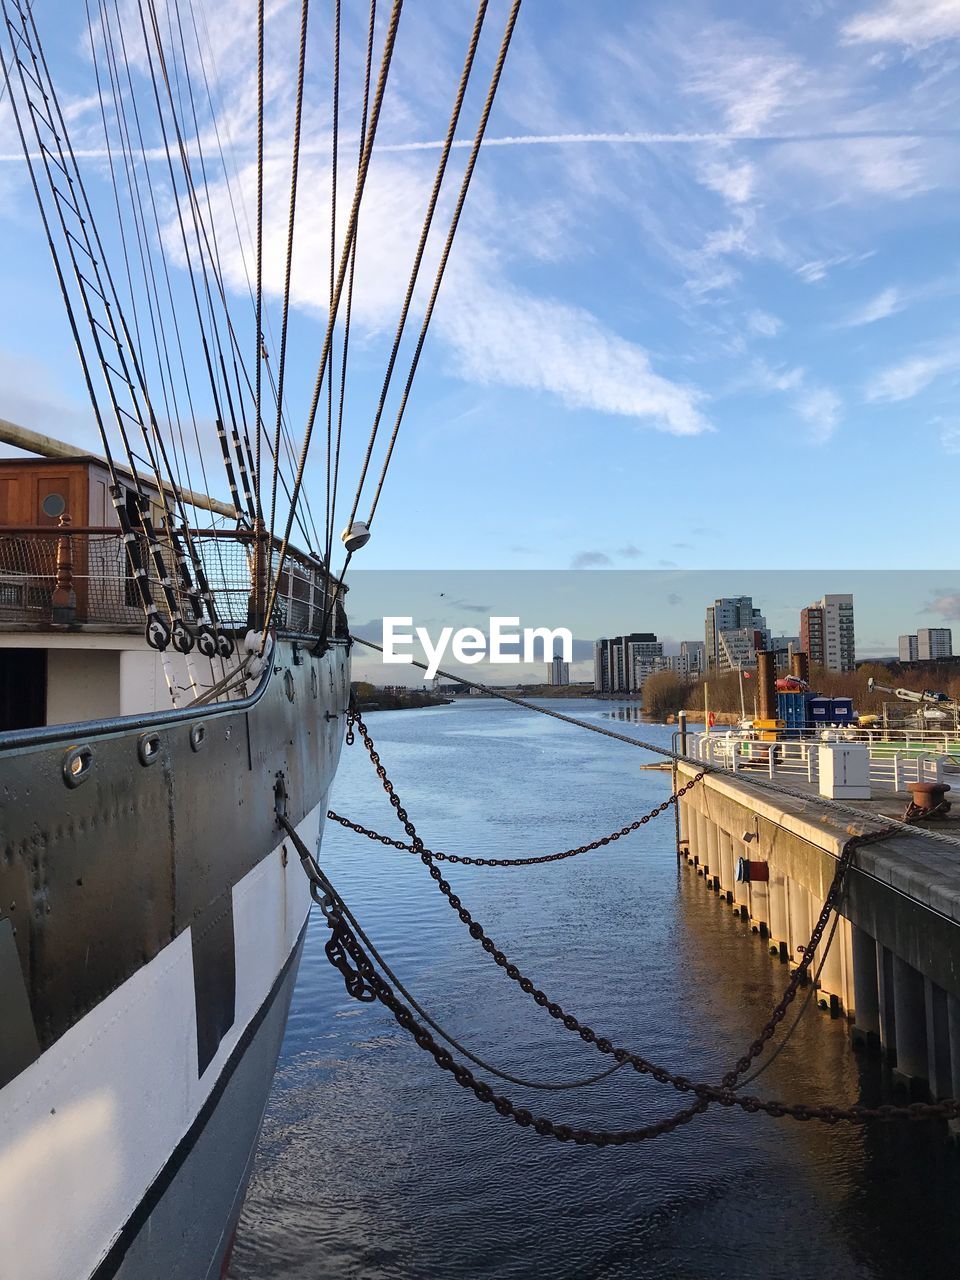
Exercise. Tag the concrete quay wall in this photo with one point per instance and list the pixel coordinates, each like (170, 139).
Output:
(893, 969)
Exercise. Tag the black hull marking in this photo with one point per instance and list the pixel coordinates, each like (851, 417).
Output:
(19, 1045)
(111, 1263)
(214, 978)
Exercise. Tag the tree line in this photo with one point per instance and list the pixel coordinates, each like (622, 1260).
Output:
(665, 693)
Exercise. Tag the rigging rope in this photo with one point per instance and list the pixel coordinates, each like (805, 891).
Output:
(421, 246)
(315, 540)
(331, 523)
(259, 567)
(334, 134)
(385, 62)
(102, 289)
(444, 257)
(288, 266)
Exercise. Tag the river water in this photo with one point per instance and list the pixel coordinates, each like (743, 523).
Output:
(373, 1163)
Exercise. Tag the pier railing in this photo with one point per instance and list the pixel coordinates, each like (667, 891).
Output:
(93, 568)
(894, 765)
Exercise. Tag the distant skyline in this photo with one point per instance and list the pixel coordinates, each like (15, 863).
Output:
(703, 309)
(671, 604)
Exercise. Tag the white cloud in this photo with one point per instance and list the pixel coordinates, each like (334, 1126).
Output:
(908, 378)
(914, 23)
(852, 168)
(819, 268)
(764, 325)
(886, 303)
(501, 334)
(498, 333)
(950, 438)
(820, 408)
(769, 377)
(750, 80)
(735, 182)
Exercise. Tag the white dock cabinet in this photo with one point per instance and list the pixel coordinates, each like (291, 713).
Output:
(844, 771)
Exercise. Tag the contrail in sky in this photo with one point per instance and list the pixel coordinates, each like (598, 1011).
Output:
(640, 139)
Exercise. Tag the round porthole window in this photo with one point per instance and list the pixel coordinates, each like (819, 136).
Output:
(53, 505)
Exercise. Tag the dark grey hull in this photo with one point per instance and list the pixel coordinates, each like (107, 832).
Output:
(151, 921)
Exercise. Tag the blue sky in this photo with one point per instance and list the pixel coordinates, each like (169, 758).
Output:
(669, 602)
(703, 307)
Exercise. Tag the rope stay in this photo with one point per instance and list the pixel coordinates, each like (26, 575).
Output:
(348, 313)
(145, 337)
(363, 168)
(100, 302)
(421, 246)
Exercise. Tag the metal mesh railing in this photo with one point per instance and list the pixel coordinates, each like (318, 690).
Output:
(105, 592)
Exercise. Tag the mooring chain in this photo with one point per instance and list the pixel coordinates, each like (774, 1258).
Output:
(543, 1125)
(467, 861)
(724, 1094)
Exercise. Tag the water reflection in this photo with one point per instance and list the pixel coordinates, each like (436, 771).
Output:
(374, 1164)
(630, 712)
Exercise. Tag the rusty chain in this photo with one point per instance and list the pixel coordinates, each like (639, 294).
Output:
(724, 1094)
(466, 861)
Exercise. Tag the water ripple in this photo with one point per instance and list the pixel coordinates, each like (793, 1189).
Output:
(374, 1164)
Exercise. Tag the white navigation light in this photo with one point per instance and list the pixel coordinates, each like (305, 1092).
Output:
(357, 536)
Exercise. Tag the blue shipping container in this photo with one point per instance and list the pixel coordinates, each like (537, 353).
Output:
(831, 710)
(792, 709)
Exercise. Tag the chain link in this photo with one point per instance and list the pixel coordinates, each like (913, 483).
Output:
(467, 861)
(725, 1094)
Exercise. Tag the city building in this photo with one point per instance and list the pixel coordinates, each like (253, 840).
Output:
(738, 649)
(558, 671)
(737, 614)
(783, 648)
(827, 633)
(621, 664)
(907, 650)
(689, 662)
(934, 643)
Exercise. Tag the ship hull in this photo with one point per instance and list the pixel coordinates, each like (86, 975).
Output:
(151, 922)
(166, 1239)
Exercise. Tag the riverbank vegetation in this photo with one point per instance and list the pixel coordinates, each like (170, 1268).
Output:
(665, 693)
(370, 697)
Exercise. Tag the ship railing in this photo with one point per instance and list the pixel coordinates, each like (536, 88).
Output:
(892, 768)
(83, 577)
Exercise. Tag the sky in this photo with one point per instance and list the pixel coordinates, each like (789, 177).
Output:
(670, 602)
(701, 312)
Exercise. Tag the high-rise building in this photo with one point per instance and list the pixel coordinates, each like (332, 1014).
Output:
(732, 613)
(907, 649)
(933, 643)
(558, 671)
(689, 662)
(621, 664)
(827, 634)
(783, 648)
